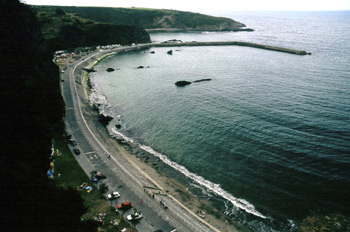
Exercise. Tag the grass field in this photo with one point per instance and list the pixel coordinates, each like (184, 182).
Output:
(69, 174)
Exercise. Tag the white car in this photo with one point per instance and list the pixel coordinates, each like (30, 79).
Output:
(113, 195)
(135, 216)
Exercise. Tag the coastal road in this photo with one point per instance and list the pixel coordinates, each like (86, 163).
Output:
(160, 210)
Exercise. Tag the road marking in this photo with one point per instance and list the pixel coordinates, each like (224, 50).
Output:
(91, 152)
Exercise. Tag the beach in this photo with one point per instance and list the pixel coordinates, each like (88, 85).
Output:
(162, 175)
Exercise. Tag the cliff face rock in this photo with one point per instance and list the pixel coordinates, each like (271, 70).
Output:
(99, 34)
(31, 106)
(186, 21)
(69, 30)
(156, 19)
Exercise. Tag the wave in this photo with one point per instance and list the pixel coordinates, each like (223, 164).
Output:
(117, 133)
(100, 101)
(215, 188)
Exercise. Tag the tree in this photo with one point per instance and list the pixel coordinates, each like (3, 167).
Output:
(59, 12)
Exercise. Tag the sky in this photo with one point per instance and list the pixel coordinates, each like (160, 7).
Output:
(208, 6)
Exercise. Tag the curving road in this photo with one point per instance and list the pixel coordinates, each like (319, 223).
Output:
(121, 175)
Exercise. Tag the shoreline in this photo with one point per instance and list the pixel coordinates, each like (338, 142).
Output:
(152, 168)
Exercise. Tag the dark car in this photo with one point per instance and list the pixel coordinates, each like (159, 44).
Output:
(125, 206)
(71, 141)
(98, 177)
(76, 151)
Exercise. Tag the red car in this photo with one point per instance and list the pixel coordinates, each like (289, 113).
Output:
(125, 206)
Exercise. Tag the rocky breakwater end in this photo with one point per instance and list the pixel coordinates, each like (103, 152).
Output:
(233, 43)
(197, 30)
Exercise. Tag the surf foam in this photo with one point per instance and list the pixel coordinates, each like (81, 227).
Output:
(215, 188)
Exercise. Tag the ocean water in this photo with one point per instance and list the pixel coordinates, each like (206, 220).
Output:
(268, 138)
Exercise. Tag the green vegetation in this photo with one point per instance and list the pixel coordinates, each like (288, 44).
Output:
(148, 18)
(32, 109)
(69, 175)
(64, 30)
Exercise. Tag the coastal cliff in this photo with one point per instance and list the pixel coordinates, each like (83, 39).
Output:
(154, 19)
(64, 30)
(31, 110)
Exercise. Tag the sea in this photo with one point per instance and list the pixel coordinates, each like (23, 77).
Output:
(267, 139)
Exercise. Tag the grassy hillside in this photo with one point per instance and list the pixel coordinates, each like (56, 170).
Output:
(65, 30)
(31, 109)
(154, 18)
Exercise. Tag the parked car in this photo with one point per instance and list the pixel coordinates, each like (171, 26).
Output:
(113, 195)
(100, 176)
(95, 178)
(76, 151)
(124, 206)
(72, 141)
(134, 216)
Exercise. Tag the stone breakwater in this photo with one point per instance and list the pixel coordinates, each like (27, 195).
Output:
(233, 43)
(194, 43)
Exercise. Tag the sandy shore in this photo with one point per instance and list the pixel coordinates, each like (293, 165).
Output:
(152, 168)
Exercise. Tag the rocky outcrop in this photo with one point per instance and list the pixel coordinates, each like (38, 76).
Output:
(142, 67)
(182, 83)
(104, 119)
(208, 79)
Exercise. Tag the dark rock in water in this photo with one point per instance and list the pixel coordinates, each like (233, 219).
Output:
(141, 67)
(182, 83)
(118, 125)
(110, 69)
(170, 52)
(104, 119)
(152, 52)
(208, 79)
(89, 70)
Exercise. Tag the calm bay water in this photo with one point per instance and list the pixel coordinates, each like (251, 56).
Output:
(268, 138)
